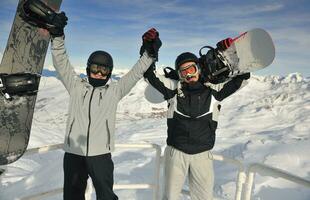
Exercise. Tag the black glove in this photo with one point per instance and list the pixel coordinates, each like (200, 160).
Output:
(224, 44)
(245, 76)
(151, 43)
(171, 73)
(58, 22)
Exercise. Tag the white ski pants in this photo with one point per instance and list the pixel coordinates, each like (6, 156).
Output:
(198, 167)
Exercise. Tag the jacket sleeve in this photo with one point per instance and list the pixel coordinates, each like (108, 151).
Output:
(228, 88)
(165, 86)
(129, 80)
(62, 64)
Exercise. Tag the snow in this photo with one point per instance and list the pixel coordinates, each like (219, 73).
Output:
(266, 122)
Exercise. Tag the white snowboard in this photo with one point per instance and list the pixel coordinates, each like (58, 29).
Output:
(251, 51)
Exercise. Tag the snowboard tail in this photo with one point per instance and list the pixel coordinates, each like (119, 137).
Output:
(20, 69)
(253, 50)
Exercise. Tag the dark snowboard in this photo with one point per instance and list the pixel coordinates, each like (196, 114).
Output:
(25, 53)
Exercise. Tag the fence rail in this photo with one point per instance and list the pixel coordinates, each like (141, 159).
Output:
(241, 176)
(244, 182)
(154, 186)
(265, 170)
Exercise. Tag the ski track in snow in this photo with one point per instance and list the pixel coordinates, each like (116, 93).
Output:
(267, 122)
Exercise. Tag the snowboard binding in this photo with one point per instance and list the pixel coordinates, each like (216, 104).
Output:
(19, 84)
(38, 14)
(214, 67)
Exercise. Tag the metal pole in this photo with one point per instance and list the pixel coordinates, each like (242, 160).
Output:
(43, 195)
(240, 178)
(43, 149)
(249, 185)
(241, 173)
(240, 181)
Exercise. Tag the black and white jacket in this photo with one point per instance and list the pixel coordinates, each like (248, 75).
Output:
(192, 110)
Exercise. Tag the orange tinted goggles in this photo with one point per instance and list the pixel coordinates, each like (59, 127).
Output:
(188, 70)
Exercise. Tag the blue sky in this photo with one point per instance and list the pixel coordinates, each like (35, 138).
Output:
(116, 26)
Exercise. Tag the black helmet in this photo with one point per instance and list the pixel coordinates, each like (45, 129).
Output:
(185, 57)
(100, 58)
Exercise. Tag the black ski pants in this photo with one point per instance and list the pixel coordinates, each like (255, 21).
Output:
(76, 171)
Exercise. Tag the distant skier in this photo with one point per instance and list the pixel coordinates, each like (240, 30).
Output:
(89, 138)
(193, 108)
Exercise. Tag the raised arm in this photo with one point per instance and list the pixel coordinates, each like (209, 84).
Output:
(62, 64)
(230, 87)
(165, 86)
(55, 24)
(149, 54)
(129, 80)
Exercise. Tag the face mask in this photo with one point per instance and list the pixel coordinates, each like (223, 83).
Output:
(98, 82)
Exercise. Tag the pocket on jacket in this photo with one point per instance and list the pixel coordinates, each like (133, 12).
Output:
(70, 131)
(109, 135)
(213, 125)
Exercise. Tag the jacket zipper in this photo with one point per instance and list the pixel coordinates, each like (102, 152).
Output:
(70, 130)
(190, 114)
(89, 120)
(109, 135)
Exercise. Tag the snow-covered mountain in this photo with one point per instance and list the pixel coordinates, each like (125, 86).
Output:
(267, 122)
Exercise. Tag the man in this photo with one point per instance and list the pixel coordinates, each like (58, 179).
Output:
(193, 108)
(89, 138)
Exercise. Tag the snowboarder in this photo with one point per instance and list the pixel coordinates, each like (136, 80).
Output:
(89, 138)
(193, 108)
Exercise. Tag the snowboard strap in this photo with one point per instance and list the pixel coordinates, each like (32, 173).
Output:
(214, 67)
(20, 84)
(37, 13)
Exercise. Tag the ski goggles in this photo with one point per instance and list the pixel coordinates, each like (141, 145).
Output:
(95, 69)
(188, 71)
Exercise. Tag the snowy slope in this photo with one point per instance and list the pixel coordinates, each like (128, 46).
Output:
(267, 121)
